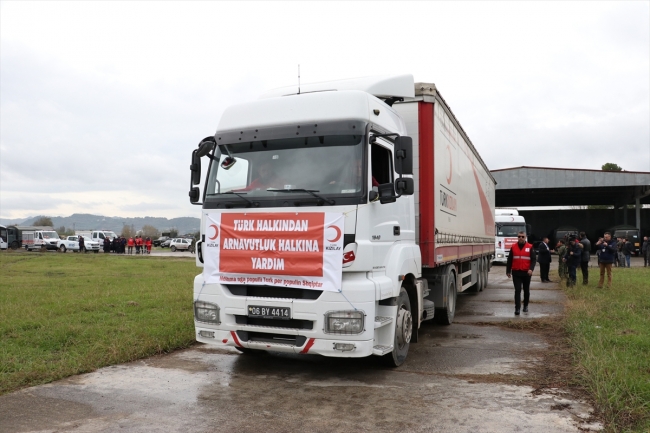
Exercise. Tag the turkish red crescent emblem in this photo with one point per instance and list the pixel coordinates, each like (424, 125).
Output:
(450, 166)
(216, 231)
(338, 234)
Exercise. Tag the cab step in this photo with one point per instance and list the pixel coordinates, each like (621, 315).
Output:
(382, 350)
(382, 320)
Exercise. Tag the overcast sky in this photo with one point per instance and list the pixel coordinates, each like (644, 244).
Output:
(101, 104)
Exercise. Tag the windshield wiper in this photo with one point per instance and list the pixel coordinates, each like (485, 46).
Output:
(310, 191)
(240, 195)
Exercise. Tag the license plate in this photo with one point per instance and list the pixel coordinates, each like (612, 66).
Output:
(269, 312)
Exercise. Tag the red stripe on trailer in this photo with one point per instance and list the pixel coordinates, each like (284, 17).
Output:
(235, 339)
(488, 213)
(427, 210)
(310, 343)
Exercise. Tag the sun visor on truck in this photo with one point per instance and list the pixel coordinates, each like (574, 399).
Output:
(304, 129)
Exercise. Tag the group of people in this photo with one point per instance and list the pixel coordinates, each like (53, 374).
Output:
(122, 245)
(573, 252)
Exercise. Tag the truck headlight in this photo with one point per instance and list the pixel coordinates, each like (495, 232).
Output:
(206, 312)
(344, 322)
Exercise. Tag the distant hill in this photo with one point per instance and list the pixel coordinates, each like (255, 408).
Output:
(80, 221)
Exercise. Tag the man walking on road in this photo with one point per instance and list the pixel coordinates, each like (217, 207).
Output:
(608, 254)
(586, 256)
(645, 251)
(544, 260)
(521, 263)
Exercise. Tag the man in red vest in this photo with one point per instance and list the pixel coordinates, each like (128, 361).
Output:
(521, 263)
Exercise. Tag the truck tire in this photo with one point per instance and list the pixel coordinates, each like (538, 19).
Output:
(486, 272)
(445, 316)
(403, 331)
(173, 248)
(14, 245)
(62, 249)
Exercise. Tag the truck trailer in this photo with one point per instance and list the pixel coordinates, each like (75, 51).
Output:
(337, 217)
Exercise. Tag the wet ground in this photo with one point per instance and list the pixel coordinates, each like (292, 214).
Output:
(213, 390)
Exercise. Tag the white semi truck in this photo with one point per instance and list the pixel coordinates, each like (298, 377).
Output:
(508, 223)
(337, 218)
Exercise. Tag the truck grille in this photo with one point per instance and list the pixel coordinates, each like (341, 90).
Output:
(262, 337)
(273, 292)
(274, 323)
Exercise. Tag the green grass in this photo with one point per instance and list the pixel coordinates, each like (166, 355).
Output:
(64, 314)
(610, 330)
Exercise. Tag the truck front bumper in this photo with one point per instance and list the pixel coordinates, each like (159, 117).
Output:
(305, 333)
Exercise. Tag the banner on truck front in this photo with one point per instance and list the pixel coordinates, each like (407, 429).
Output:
(292, 249)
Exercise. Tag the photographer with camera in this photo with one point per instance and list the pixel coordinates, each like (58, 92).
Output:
(608, 249)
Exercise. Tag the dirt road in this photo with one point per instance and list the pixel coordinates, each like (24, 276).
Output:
(458, 378)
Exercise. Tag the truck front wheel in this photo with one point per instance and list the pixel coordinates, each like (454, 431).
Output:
(62, 249)
(445, 316)
(14, 245)
(403, 331)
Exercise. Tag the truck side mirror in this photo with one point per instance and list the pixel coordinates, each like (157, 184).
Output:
(386, 193)
(194, 194)
(404, 155)
(195, 167)
(404, 186)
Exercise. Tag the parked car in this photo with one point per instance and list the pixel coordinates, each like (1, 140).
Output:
(158, 242)
(165, 244)
(72, 243)
(182, 244)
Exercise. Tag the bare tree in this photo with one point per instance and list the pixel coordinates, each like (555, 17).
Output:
(127, 231)
(150, 231)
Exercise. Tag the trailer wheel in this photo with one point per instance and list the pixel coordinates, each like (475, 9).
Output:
(486, 273)
(62, 249)
(403, 331)
(445, 316)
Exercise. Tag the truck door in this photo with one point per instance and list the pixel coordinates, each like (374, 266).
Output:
(386, 221)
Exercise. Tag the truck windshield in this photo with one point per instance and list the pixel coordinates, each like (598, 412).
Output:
(50, 235)
(111, 235)
(509, 230)
(628, 234)
(330, 165)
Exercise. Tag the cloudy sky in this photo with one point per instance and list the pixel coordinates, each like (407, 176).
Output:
(101, 104)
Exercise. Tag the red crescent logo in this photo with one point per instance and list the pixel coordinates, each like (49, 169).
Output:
(216, 231)
(450, 166)
(338, 234)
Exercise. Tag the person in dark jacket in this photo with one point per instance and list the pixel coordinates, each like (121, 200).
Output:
(572, 258)
(544, 259)
(628, 249)
(107, 245)
(82, 247)
(586, 256)
(645, 250)
(520, 265)
(608, 255)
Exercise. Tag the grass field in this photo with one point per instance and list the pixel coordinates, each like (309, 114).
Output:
(64, 314)
(610, 330)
